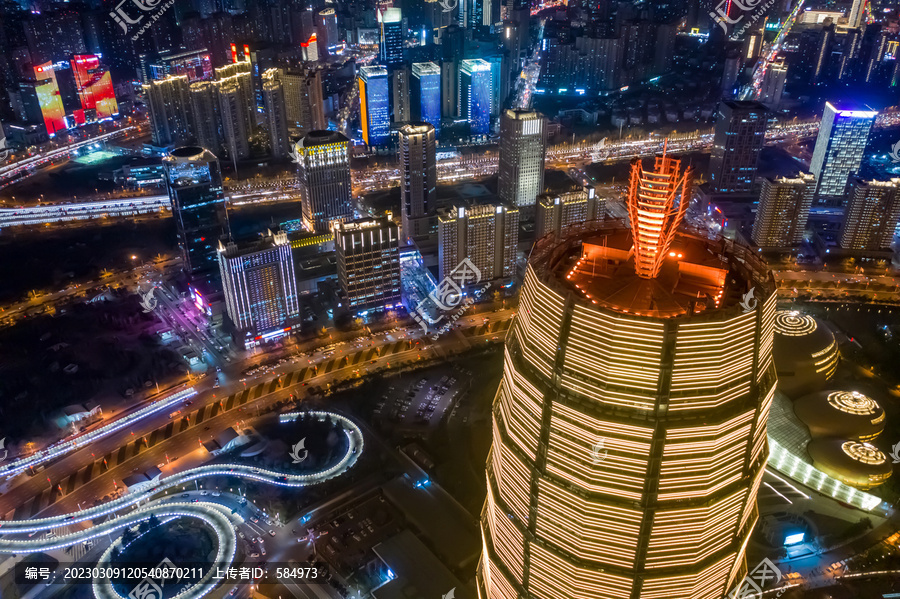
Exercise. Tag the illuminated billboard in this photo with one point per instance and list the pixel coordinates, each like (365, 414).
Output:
(95, 89)
(47, 90)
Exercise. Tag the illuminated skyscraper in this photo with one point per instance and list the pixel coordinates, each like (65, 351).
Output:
(657, 201)
(559, 211)
(368, 255)
(523, 145)
(276, 114)
(839, 149)
(194, 183)
(374, 105)
(323, 166)
(425, 86)
(475, 93)
(47, 90)
(740, 133)
(418, 179)
(95, 88)
(205, 114)
(488, 235)
(783, 211)
(629, 428)
(303, 99)
(391, 36)
(871, 215)
(773, 83)
(400, 95)
(169, 104)
(328, 36)
(260, 286)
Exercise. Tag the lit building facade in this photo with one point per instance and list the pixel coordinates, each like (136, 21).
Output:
(323, 166)
(304, 102)
(425, 88)
(169, 105)
(47, 89)
(194, 183)
(871, 215)
(557, 212)
(523, 145)
(368, 256)
(418, 183)
(629, 428)
(838, 153)
(391, 36)
(475, 94)
(740, 133)
(95, 88)
(276, 113)
(487, 235)
(260, 286)
(783, 211)
(374, 105)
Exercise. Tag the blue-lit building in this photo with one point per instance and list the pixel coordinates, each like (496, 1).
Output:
(374, 105)
(840, 144)
(194, 183)
(475, 94)
(425, 89)
(391, 46)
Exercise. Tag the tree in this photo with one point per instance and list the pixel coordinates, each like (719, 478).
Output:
(153, 521)
(127, 536)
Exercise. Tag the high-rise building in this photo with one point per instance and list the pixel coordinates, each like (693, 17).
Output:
(871, 215)
(205, 119)
(453, 47)
(328, 37)
(523, 145)
(656, 199)
(47, 89)
(783, 211)
(236, 127)
(368, 256)
(323, 161)
(843, 135)
(418, 179)
(95, 88)
(194, 183)
(740, 134)
(276, 113)
(773, 83)
(557, 212)
(391, 36)
(400, 95)
(374, 105)
(475, 93)
(425, 88)
(486, 234)
(303, 99)
(169, 105)
(261, 295)
(629, 427)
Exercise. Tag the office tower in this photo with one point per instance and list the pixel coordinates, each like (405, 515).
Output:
(391, 36)
(629, 435)
(95, 88)
(425, 88)
(304, 101)
(52, 36)
(487, 235)
(261, 295)
(400, 92)
(374, 106)
(323, 166)
(169, 104)
(523, 144)
(276, 115)
(871, 215)
(453, 44)
(840, 144)
(418, 182)
(205, 115)
(475, 91)
(783, 210)
(557, 212)
(733, 64)
(822, 54)
(657, 201)
(309, 50)
(194, 184)
(740, 134)
(772, 87)
(850, 47)
(47, 90)
(857, 13)
(368, 256)
(328, 36)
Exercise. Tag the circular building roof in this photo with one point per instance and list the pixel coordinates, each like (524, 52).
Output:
(844, 414)
(855, 463)
(805, 353)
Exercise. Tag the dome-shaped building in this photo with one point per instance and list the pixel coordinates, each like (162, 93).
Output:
(855, 463)
(805, 353)
(841, 414)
